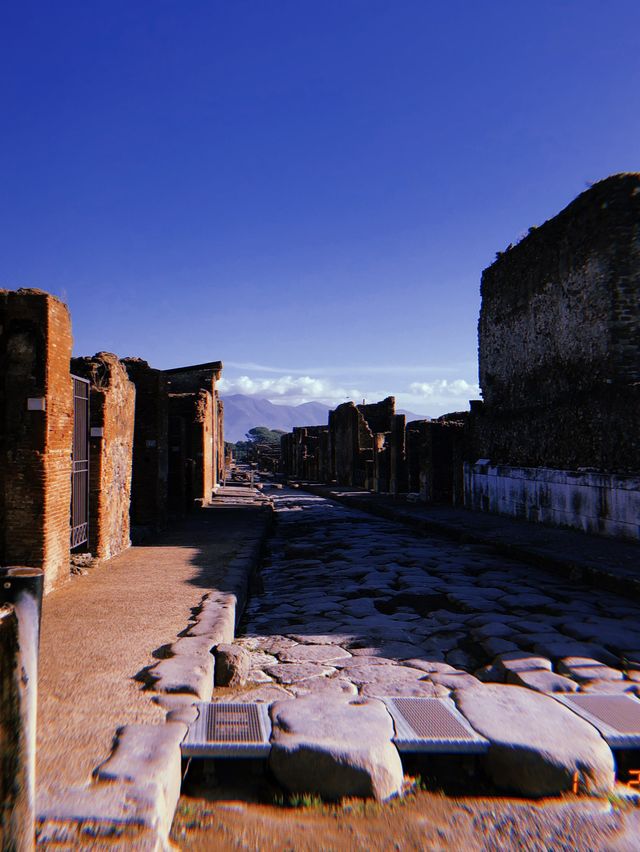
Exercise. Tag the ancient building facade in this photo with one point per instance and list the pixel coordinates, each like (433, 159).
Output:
(111, 440)
(84, 443)
(558, 431)
(36, 423)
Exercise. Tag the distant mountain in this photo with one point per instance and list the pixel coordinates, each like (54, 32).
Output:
(242, 413)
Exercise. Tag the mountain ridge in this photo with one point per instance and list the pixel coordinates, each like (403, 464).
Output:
(242, 412)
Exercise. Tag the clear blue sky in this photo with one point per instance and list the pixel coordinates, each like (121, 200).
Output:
(309, 186)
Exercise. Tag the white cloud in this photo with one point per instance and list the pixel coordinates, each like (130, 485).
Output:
(431, 398)
(443, 388)
(290, 389)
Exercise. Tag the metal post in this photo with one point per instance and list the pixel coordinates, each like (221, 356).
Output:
(21, 607)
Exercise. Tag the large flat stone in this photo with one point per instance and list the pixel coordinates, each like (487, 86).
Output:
(542, 680)
(314, 654)
(537, 744)
(335, 747)
(297, 672)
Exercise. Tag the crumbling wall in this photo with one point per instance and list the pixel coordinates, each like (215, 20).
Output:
(149, 485)
(192, 379)
(36, 427)
(559, 339)
(352, 445)
(112, 410)
(436, 451)
(220, 459)
(190, 450)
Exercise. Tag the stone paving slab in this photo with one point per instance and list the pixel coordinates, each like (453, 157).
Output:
(491, 620)
(607, 563)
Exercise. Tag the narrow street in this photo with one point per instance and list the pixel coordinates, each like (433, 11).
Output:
(354, 605)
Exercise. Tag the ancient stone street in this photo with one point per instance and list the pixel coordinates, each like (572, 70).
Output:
(354, 604)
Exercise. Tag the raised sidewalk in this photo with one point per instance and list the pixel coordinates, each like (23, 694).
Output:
(100, 634)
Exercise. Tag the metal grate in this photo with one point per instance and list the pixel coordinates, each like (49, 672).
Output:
(617, 717)
(433, 725)
(80, 463)
(229, 730)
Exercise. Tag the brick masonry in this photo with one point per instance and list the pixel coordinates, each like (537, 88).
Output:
(112, 409)
(35, 438)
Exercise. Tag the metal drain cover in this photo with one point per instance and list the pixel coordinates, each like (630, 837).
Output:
(229, 730)
(617, 717)
(433, 725)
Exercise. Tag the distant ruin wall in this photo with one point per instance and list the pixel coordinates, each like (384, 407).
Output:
(559, 339)
(36, 426)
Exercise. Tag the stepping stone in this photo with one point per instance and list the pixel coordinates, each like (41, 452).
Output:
(454, 680)
(258, 676)
(296, 672)
(542, 680)
(586, 668)
(314, 654)
(427, 665)
(335, 747)
(535, 750)
(520, 661)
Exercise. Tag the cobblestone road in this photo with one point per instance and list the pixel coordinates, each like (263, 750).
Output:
(354, 604)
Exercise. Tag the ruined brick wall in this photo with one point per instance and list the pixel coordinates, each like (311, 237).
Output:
(149, 484)
(35, 438)
(559, 339)
(190, 450)
(112, 410)
(192, 379)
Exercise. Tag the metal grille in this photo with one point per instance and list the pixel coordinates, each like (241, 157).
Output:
(233, 723)
(80, 463)
(227, 730)
(434, 725)
(617, 717)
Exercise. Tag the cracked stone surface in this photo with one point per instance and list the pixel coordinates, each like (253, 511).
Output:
(354, 604)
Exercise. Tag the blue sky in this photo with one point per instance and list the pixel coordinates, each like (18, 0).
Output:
(308, 191)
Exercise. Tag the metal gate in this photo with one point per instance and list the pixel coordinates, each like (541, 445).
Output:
(80, 463)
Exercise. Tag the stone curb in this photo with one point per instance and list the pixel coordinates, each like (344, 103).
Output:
(132, 800)
(575, 569)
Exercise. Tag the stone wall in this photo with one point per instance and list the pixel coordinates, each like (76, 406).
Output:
(36, 423)
(436, 451)
(191, 448)
(592, 502)
(559, 339)
(149, 486)
(112, 408)
(192, 379)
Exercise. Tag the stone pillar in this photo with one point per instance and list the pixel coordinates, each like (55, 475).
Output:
(36, 428)
(112, 410)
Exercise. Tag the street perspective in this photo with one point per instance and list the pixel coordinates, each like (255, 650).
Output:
(334, 542)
